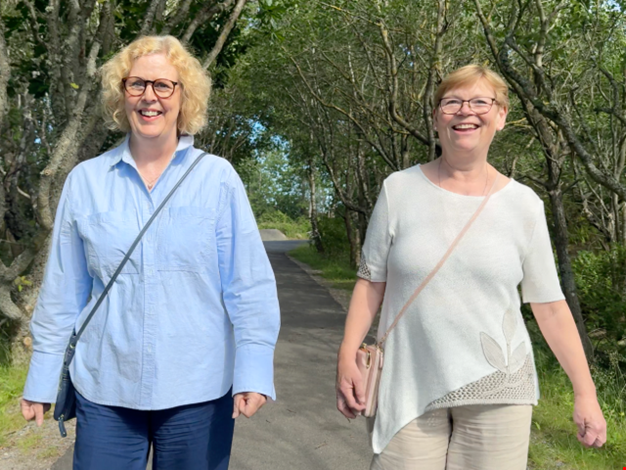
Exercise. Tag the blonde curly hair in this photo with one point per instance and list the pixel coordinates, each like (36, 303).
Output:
(195, 83)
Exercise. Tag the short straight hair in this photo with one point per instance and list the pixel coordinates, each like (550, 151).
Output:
(195, 83)
(468, 76)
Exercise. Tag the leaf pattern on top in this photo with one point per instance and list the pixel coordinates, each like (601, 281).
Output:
(509, 325)
(517, 359)
(493, 352)
(503, 359)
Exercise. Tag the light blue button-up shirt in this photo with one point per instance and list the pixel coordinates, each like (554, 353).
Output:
(193, 312)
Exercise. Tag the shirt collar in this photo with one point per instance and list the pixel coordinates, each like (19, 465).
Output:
(123, 151)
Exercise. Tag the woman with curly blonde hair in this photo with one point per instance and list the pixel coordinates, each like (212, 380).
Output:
(183, 342)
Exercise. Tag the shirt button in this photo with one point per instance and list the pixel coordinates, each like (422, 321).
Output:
(149, 272)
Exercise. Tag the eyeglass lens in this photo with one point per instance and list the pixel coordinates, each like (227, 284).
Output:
(162, 87)
(477, 105)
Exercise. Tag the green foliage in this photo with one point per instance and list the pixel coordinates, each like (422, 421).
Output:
(334, 238)
(601, 282)
(335, 269)
(294, 229)
(274, 183)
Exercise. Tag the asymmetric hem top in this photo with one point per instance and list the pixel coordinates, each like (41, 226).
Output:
(463, 340)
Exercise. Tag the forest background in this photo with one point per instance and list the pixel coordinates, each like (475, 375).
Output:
(315, 103)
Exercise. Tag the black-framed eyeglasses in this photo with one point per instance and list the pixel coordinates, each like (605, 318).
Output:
(136, 86)
(477, 105)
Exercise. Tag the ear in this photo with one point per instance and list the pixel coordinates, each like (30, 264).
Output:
(435, 119)
(501, 119)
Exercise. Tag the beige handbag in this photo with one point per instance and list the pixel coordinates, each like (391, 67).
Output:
(369, 357)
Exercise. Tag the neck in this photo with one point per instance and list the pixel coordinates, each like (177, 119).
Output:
(463, 167)
(148, 151)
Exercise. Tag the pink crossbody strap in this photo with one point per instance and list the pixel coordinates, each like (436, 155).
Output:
(445, 257)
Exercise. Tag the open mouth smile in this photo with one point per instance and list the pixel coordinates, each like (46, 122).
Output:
(465, 127)
(149, 113)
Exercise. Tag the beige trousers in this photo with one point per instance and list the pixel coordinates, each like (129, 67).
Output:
(477, 437)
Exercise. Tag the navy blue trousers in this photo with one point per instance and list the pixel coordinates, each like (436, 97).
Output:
(191, 437)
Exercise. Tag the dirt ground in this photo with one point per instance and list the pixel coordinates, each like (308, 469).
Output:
(35, 448)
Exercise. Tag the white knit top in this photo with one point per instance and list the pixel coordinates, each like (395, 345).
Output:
(463, 340)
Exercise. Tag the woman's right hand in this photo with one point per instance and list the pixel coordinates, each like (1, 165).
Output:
(350, 387)
(33, 410)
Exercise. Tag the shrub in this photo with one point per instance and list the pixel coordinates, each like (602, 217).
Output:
(601, 282)
(295, 229)
(334, 237)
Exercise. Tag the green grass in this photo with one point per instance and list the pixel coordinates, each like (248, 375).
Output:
(12, 380)
(553, 440)
(335, 269)
(293, 229)
(554, 444)
(30, 442)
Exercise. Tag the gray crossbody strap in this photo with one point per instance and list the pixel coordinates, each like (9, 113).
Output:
(106, 290)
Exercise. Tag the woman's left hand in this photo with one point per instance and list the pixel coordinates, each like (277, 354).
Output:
(590, 421)
(247, 404)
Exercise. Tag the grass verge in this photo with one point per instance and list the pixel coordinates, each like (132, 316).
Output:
(553, 439)
(335, 269)
(293, 229)
(12, 380)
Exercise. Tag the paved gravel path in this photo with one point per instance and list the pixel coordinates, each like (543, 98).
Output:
(302, 430)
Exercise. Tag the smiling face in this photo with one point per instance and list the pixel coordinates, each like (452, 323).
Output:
(466, 132)
(151, 117)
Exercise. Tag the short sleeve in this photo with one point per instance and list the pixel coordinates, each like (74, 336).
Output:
(373, 266)
(540, 283)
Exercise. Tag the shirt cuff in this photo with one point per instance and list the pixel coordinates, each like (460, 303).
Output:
(42, 381)
(254, 370)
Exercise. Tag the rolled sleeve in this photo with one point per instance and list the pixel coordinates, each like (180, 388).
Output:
(248, 290)
(64, 292)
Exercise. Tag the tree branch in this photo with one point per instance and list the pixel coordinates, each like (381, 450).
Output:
(34, 22)
(5, 74)
(392, 69)
(226, 29)
(525, 91)
(433, 70)
(349, 115)
(67, 145)
(207, 12)
(181, 13)
(148, 22)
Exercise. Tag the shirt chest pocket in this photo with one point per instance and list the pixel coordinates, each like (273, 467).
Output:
(107, 237)
(186, 239)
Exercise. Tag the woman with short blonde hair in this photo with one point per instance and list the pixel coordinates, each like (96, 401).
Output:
(183, 341)
(458, 379)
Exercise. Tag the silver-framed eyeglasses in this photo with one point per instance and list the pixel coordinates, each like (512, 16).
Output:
(477, 105)
(136, 86)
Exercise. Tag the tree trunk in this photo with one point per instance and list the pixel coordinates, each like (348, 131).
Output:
(315, 233)
(351, 238)
(561, 239)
